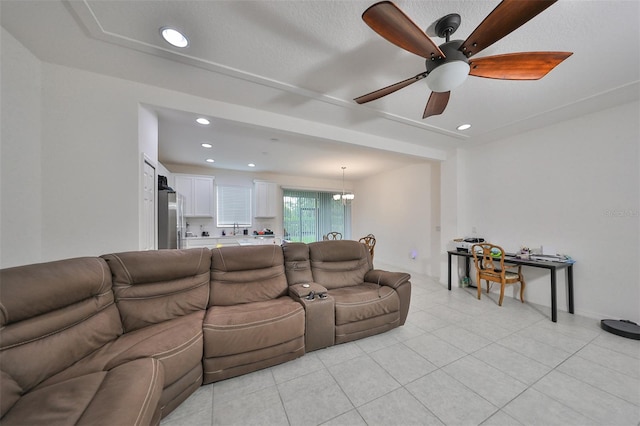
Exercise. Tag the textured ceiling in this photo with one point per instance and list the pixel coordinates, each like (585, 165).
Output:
(306, 60)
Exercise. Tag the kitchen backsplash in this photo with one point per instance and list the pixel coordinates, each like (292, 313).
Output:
(198, 225)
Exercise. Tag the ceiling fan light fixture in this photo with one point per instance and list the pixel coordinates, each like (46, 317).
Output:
(174, 37)
(448, 64)
(447, 76)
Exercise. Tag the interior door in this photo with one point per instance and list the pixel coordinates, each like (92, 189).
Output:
(148, 207)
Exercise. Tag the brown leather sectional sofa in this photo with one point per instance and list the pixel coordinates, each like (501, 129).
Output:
(125, 338)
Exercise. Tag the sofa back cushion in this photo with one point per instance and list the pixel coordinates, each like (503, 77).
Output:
(158, 285)
(297, 265)
(245, 274)
(339, 263)
(52, 315)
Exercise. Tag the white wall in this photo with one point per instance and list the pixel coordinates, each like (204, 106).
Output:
(574, 186)
(20, 155)
(452, 180)
(90, 166)
(402, 209)
(148, 132)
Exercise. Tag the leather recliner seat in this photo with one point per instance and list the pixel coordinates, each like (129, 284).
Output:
(55, 315)
(251, 321)
(367, 301)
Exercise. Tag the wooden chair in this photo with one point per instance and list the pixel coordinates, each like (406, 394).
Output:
(489, 262)
(370, 242)
(332, 236)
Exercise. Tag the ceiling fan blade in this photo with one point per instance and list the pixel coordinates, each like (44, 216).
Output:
(505, 18)
(389, 89)
(392, 24)
(437, 103)
(517, 66)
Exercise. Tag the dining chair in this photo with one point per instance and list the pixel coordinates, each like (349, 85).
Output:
(333, 236)
(370, 242)
(490, 266)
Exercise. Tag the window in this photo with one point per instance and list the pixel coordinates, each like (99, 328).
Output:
(233, 205)
(308, 215)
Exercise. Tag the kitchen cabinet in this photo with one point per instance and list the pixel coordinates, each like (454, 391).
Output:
(197, 193)
(266, 194)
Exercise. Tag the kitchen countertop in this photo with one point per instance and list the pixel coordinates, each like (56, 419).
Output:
(231, 240)
(197, 237)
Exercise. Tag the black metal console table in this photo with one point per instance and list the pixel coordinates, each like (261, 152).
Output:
(551, 266)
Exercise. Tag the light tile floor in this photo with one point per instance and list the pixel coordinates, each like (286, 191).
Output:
(457, 361)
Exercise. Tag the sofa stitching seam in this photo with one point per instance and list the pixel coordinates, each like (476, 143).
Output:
(59, 330)
(145, 404)
(200, 260)
(253, 324)
(218, 371)
(365, 302)
(155, 296)
(184, 346)
(126, 270)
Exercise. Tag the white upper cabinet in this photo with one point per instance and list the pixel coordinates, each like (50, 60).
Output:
(197, 192)
(266, 198)
(203, 196)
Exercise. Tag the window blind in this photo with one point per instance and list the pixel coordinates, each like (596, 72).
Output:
(308, 215)
(233, 205)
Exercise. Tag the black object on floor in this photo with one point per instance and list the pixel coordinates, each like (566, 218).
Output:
(622, 328)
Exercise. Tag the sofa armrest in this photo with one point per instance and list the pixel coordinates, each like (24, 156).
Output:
(390, 279)
(298, 291)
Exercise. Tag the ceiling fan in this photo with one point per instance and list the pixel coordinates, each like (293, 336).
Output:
(448, 65)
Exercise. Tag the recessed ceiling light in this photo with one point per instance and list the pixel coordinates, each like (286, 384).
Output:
(207, 145)
(210, 160)
(203, 121)
(464, 126)
(174, 37)
(251, 165)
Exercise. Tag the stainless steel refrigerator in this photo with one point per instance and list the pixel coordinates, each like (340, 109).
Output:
(170, 220)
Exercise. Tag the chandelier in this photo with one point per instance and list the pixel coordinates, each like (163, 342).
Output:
(344, 196)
